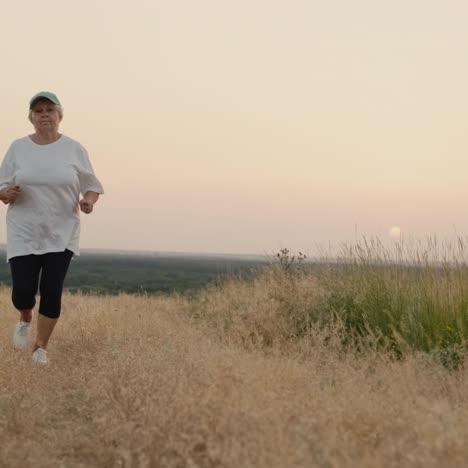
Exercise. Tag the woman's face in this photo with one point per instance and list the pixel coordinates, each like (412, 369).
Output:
(44, 116)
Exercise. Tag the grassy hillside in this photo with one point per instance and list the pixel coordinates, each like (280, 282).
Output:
(259, 373)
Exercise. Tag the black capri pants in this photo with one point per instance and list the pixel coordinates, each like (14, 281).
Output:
(25, 271)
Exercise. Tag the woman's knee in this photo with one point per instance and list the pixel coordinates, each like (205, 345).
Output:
(51, 302)
(23, 298)
(50, 312)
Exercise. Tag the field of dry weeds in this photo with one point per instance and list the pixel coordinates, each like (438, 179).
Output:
(145, 382)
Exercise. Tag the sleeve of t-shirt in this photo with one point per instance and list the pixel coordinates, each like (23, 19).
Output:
(7, 169)
(88, 181)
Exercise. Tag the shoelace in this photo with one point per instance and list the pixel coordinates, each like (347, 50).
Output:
(23, 329)
(41, 354)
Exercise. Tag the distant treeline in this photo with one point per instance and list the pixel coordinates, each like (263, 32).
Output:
(107, 273)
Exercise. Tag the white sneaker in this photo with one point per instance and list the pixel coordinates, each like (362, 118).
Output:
(40, 356)
(22, 332)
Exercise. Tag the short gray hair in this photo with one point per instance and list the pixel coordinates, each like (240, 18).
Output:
(58, 108)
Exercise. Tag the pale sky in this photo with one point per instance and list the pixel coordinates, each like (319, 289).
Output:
(250, 125)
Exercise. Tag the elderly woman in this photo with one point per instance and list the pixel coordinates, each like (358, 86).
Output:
(41, 178)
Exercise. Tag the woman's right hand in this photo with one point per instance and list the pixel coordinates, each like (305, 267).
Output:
(9, 194)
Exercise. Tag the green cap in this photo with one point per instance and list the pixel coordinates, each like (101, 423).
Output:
(44, 95)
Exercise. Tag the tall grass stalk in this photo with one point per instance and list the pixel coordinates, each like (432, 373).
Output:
(414, 294)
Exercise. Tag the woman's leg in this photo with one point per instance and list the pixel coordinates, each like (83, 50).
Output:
(25, 271)
(45, 327)
(54, 269)
(25, 276)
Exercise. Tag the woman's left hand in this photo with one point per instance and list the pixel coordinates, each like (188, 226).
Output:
(86, 206)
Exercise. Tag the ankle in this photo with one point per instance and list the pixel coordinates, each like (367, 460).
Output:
(25, 316)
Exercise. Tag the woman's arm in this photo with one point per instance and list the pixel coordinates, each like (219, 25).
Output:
(88, 201)
(9, 194)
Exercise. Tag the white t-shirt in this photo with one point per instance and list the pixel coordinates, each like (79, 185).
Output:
(46, 216)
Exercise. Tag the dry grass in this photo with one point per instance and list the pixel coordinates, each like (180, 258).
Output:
(139, 382)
